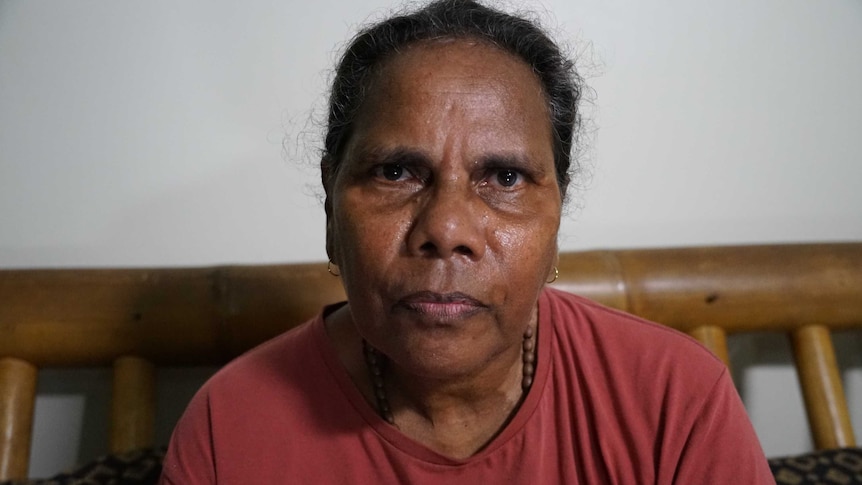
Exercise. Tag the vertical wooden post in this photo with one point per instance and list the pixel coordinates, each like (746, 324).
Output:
(133, 406)
(17, 401)
(821, 387)
(715, 339)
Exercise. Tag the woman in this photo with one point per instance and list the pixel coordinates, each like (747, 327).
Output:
(445, 167)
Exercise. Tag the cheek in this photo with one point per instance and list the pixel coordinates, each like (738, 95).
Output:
(528, 250)
(364, 238)
(530, 236)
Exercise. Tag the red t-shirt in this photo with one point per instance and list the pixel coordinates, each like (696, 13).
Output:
(615, 400)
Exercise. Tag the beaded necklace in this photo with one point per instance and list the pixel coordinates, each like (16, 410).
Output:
(374, 361)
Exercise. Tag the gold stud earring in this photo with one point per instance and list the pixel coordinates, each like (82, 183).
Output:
(329, 267)
(556, 275)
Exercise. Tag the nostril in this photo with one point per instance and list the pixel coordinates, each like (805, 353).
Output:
(428, 247)
(463, 250)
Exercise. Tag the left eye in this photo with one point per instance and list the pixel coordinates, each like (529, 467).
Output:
(508, 178)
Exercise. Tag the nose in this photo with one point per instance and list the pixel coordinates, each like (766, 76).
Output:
(449, 223)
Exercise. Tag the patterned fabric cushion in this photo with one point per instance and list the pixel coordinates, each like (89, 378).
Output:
(142, 467)
(139, 467)
(829, 467)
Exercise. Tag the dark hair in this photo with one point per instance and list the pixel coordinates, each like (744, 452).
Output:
(444, 19)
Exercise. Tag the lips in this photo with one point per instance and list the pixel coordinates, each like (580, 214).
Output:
(441, 306)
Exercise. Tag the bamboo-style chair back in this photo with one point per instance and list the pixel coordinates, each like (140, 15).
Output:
(137, 319)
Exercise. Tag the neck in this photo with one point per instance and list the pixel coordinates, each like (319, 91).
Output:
(505, 381)
(456, 417)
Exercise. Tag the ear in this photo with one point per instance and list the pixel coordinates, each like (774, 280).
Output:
(330, 241)
(327, 178)
(556, 261)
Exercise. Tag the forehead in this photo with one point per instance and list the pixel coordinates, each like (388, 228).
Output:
(463, 59)
(458, 80)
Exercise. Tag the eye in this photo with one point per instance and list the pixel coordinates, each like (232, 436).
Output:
(390, 171)
(508, 178)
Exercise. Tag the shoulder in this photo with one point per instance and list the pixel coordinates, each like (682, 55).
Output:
(574, 316)
(243, 407)
(271, 365)
(646, 387)
(629, 348)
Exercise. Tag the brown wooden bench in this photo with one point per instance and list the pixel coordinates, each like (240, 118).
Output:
(137, 319)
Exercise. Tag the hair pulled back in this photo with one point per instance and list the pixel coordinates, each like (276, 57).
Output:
(445, 19)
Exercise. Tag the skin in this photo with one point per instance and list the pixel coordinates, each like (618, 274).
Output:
(444, 223)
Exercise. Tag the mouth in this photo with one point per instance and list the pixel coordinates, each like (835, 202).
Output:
(441, 306)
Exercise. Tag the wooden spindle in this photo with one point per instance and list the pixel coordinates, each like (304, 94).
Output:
(17, 401)
(133, 404)
(714, 338)
(820, 380)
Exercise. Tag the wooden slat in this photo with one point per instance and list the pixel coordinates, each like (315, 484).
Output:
(133, 406)
(820, 380)
(17, 401)
(596, 275)
(715, 339)
(183, 316)
(177, 316)
(763, 288)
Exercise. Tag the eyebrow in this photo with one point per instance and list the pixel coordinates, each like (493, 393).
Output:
(505, 160)
(521, 162)
(396, 155)
(377, 155)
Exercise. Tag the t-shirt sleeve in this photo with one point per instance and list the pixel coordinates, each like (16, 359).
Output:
(190, 458)
(722, 446)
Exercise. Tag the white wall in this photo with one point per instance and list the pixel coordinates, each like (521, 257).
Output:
(150, 133)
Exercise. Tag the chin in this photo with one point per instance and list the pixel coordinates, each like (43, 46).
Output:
(439, 360)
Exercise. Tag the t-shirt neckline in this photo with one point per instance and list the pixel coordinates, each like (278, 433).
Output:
(394, 437)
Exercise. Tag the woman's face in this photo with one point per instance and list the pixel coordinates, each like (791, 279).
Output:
(446, 207)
